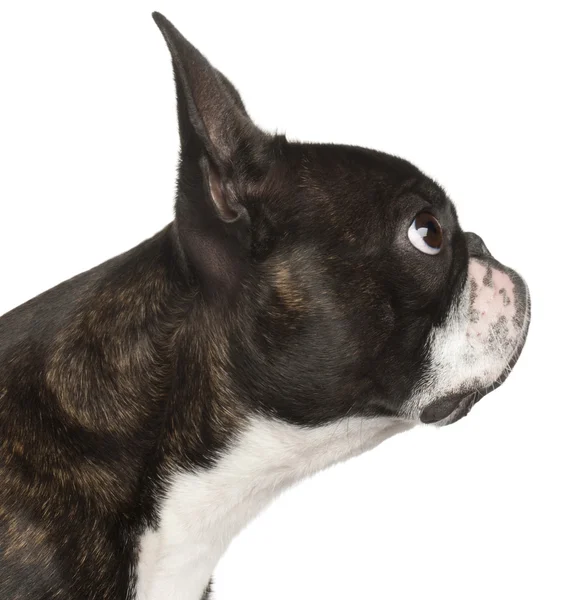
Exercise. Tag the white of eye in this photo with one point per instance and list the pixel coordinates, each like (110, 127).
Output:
(418, 233)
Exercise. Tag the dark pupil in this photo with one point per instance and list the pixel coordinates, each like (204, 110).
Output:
(429, 229)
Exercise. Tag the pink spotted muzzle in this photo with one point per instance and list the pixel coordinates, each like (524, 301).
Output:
(494, 310)
(499, 303)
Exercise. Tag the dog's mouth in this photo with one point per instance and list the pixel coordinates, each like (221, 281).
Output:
(451, 408)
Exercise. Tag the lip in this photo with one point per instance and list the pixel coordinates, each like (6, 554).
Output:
(448, 406)
(452, 408)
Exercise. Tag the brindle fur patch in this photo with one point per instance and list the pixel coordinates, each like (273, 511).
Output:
(288, 290)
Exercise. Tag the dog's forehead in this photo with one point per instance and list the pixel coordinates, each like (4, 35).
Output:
(363, 173)
(352, 193)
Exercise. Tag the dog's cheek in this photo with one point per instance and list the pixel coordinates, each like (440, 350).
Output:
(295, 354)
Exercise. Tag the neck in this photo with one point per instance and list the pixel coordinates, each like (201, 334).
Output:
(193, 464)
(204, 509)
(133, 365)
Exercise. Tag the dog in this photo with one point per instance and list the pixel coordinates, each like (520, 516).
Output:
(308, 302)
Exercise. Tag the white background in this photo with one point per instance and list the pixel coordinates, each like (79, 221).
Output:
(472, 94)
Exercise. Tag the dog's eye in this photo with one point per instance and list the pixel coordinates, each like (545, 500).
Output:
(425, 233)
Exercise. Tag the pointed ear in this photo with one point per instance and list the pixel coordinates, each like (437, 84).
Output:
(220, 147)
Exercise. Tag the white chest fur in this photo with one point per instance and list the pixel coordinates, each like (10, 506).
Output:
(203, 511)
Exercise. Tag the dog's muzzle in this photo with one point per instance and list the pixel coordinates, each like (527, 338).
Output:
(483, 338)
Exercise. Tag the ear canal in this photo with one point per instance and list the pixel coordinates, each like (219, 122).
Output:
(220, 197)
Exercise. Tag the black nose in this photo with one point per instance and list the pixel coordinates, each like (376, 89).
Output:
(476, 245)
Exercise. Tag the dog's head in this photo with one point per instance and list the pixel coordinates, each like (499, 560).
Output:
(339, 275)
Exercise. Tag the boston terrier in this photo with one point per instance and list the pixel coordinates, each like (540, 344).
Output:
(307, 302)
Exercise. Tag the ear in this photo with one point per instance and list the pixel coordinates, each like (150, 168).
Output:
(220, 148)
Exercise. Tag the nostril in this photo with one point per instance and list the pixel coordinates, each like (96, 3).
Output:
(476, 245)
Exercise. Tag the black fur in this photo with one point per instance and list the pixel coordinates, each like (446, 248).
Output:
(284, 279)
